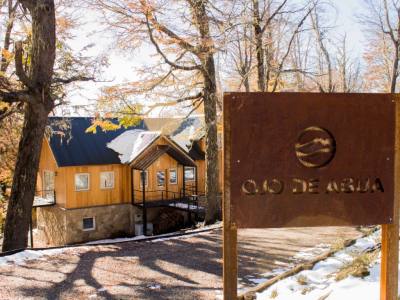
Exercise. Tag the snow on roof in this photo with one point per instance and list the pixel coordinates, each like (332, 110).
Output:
(131, 143)
(189, 130)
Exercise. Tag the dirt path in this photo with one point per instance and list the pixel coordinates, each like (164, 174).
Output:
(182, 268)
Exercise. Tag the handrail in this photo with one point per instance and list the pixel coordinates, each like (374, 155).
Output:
(150, 195)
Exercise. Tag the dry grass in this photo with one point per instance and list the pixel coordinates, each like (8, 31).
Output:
(302, 280)
(358, 267)
(338, 244)
(307, 290)
(274, 294)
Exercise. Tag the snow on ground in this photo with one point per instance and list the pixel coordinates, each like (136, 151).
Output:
(183, 205)
(320, 282)
(26, 255)
(304, 255)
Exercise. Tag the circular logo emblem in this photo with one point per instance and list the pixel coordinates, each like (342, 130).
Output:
(315, 147)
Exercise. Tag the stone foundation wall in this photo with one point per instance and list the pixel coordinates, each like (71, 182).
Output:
(111, 221)
(51, 225)
(65, 226)
(58, 226)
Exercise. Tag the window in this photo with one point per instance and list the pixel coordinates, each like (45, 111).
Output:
(82, 182)
(189, 174)
(146, 178)
(88, 224)
(107, 180)
(173, 176)
(160, 178)
(48, 185)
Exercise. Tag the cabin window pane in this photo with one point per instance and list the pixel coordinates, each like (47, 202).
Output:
(173, 176)
(48, 185)
(88, 223)
(160, 178)
(107, 180)
(82, 182)
(189, 174)
(146, 177)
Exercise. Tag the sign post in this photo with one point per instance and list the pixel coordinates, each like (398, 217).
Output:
(300, 159)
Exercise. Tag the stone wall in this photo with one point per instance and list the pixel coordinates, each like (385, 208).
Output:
(111, 221)
(61, 226)
(51, 225)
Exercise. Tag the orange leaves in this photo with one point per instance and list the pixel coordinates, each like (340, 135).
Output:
(7, 54)
(105, 125)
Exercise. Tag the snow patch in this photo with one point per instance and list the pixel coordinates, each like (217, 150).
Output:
(21, 258)
(131, 143)
(320, 283)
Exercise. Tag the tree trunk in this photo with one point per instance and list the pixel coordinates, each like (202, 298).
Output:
(38, 82)
(246, 83)
(210, 110)
(213, 212)
(258, 36)
(395, 71)
(24, 181)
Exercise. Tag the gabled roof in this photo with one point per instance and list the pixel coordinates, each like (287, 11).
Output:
(130, 144)
(72, 146)
(139, 149)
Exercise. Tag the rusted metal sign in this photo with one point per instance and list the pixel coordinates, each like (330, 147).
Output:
(301, 159)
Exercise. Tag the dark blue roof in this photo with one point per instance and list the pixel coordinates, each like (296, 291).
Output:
(72, 146)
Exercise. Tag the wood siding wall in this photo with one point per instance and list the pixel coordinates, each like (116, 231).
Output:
(169, 191)
(67, 197)
(95, 196)
(48, 163)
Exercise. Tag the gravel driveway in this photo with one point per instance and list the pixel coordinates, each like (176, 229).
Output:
(188, 267)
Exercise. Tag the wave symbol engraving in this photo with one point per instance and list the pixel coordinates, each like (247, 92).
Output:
(315, 147)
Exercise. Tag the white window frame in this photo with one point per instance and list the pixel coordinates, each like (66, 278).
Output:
(88, 187)
(45, 191)
(102, 186)
(147, 178)
(160, 186)
(194, 174)
(176, 176)
(94, 224)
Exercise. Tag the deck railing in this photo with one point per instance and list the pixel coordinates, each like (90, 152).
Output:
(168, 198)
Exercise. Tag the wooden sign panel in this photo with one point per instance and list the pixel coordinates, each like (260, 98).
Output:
(302, 159)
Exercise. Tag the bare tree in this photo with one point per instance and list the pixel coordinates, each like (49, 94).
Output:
(183, 34)
(37, 89)
(382, 23)
(348, 69)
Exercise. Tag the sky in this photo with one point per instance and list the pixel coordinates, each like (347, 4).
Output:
(122, 65)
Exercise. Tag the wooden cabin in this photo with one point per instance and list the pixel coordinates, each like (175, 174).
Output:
(116, 183)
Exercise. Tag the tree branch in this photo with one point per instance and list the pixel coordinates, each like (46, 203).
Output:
(72, 79)
(19, 68)
(15, 96)
(270, 18)
(180, 41)
(166, 59)
(289, 47)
